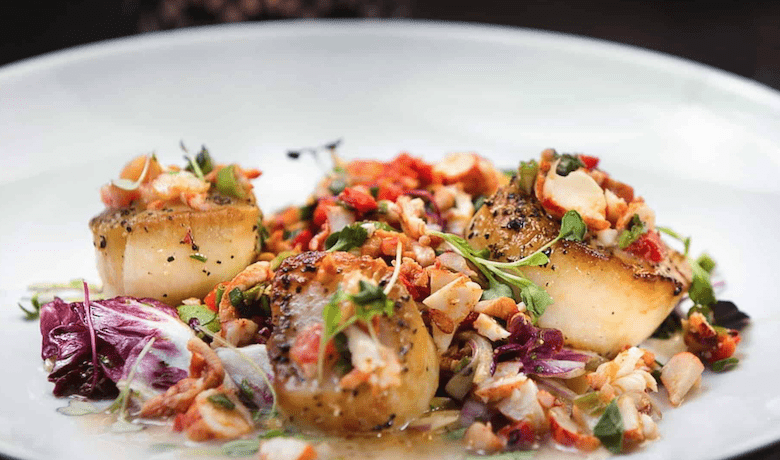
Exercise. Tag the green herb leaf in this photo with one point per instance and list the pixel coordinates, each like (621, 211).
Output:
(227, 182)
(590, 403)
(33, 313)
(609, 428)
(706, 263)
(221, 400)
(496, 290)
(203, 314)
(337, 186)
(527, 175)
(573, 228)
(351, 236)
(632, 233)
(199, 257)
(236, 297)
(241, 448)
(701, 291)
(568, 163)
(536, 299)
(455, 435)
(271, 434)
(724, 364)
(277, 261)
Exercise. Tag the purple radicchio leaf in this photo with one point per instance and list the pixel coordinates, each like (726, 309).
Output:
(121, 326)
(540, 350)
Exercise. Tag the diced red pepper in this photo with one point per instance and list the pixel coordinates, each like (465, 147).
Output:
(302, 239)
(648, 247)
(211, 298)
(727, 345)
(589, 161)
(360, 201)
(320, 212)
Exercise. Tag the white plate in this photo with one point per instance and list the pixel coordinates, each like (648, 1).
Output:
(700, 145)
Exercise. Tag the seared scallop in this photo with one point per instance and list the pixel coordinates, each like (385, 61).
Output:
(175, 252)
(605, 299)
(380, 379)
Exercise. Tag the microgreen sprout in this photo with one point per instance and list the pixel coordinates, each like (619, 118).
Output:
(127, 184)
(502, 276)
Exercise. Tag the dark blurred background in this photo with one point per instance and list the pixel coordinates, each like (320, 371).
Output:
(742, 37)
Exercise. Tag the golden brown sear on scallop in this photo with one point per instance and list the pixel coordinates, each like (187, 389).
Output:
(371, 380)
(175, 252)
(605, 298)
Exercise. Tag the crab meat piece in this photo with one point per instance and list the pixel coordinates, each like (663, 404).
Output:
(566, 432)
(502, 383)
(489, 327)
(627, 372)
(440, 278)
(616, 206)
(411, 211)
(479, 437)
(456, 263)
(575, 191)
(523, 405)
(286, 449)
(500, 307)
(339, 217)
(474, 173)
(607, 237)
(459, 215)
(641, 209)
(374, 359)
(680, 374)
(424, 255)
(451, 304)
(235, 330)
(207, 419)
(632, 425)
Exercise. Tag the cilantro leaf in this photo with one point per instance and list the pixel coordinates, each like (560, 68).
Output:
(706, 263)
(351, 236)
(496, 290)
(373, 300)
(199, 315)
(609, 428)
(632, 233)
(536, 299)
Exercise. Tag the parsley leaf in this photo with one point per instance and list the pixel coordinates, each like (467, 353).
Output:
(706, 263)
(701, 291)
(686, 241)
(527, 175)
(632, 233)
(351, 236)
(372, 299)
(609, 428)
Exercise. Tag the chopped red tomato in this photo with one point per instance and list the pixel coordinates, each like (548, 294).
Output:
(211, 298)
(395, 177)
(302, 239)
(727, 345)
(589, 161)
(360, 201)
(306, 348)
(648, 247)
(320, 212)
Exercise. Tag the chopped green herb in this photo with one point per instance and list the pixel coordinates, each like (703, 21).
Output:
(241, 448)
(706, 263)
(218, 295)
(221, 400)
(337, 186)
(478, 202)
(204, 316)
(236, 297)
(374, 191)
(635, 229)
(275, 433)
(307, 212)
(277, 261)
(455, 435)
(35, 312)
(701, 291)
(609, 428)
(502, 276)
(724, 364)
(351, 236)
(370, 301)
(199, 257)
(590, 403)
(527, 175)
(227, 182)
(568, 163)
